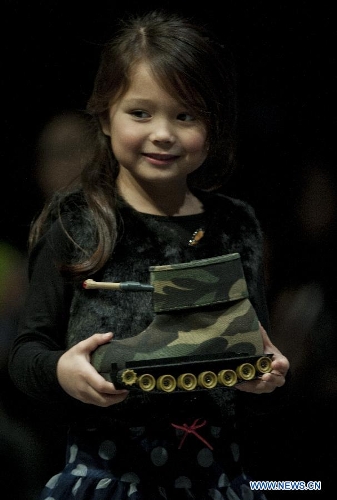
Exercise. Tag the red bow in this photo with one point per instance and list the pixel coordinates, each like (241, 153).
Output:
(191, 429)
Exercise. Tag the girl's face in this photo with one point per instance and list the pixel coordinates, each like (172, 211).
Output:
(154, 137)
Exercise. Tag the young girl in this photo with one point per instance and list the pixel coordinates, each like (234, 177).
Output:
(163, 116)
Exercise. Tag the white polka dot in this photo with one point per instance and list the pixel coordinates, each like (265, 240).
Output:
(246, 492)
(53, 481)
(81, 470)
(107, 450)
(130, 477)
(205, 457)
(132, 489)
(76, 487)
(162, 492)
(223, 481)
(215, 495)
(231, 495)
(182, 482)
(159, 456)
(73, 453)
(103, 483)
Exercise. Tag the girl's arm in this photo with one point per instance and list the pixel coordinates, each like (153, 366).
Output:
(39, 363)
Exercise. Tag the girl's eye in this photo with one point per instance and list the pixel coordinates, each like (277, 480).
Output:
(139, 113)
(185, 117)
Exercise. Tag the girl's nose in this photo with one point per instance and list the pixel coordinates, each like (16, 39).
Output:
(162, 132)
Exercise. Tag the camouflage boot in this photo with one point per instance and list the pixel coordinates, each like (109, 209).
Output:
(205, 332)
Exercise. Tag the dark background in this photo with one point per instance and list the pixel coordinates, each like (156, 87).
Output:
(286, 62)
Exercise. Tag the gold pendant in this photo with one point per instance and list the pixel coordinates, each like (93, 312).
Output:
(196, 237)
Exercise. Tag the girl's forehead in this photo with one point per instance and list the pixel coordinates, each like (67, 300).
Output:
(144, 81)
(143, 70)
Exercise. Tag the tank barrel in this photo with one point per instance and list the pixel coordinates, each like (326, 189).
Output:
(126, 286)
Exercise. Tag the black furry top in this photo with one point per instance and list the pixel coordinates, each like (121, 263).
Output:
(55, 305)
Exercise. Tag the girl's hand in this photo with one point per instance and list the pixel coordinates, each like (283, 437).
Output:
(80, 379)
(268, 381)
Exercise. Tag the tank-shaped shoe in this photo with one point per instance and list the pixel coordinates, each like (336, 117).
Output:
(205, 332)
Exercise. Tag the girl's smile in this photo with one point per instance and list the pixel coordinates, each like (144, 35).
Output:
(160, 159)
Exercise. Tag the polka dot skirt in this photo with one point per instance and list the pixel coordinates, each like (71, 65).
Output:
(177, 461)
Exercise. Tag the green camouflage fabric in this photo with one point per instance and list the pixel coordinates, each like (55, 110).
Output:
(201, 308)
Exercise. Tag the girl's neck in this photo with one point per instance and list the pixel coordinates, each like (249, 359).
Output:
(163, 200)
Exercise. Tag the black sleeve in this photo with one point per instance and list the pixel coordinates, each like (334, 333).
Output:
(40, 340)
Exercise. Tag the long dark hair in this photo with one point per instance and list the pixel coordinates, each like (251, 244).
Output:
(191, 66)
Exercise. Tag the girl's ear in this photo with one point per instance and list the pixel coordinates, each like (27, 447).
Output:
(104, 120)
